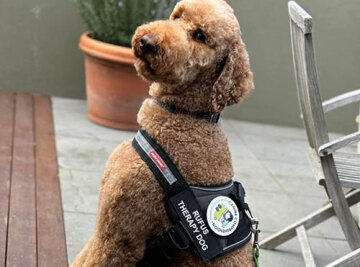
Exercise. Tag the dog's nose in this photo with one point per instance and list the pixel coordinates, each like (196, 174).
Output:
(147, 44)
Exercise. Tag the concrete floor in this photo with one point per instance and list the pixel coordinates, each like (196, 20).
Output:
(269, 161)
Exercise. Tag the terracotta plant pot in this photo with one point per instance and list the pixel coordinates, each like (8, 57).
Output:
(114, 90)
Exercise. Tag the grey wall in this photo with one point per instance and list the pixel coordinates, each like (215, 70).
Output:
(265, 28)
(38, 47)
(38, 53)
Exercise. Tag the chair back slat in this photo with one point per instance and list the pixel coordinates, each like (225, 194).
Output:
(306, 76)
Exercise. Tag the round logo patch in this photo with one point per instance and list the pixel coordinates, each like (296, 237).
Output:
(222, 215)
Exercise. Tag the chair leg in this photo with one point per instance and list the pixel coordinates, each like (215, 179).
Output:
(308, 222)
(358, 206)
(305, 247)
(341, 207)
(358, 150)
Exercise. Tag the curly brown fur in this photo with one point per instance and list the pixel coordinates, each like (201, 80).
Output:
(193, 76)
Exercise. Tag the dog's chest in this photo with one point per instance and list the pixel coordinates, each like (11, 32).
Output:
(203, 159)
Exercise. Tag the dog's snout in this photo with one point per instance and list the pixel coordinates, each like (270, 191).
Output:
(148, 44)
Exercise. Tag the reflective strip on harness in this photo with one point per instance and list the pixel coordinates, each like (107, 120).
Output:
(150, 151)
(159, 163)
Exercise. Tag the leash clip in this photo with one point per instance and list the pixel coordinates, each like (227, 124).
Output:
(254, 228)
(256, 248)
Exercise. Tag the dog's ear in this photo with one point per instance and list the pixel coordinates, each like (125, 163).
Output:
(235, 79)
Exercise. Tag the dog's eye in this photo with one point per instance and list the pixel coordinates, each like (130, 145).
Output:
(199, 36)
(176, 17)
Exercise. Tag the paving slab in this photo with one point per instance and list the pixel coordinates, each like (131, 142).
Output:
(301, 185)
(253, 176)
(277, 148)
(290, 170)
(270, 162)
(78, 229)
(325, 251)
(274, 210)
(80, 190)
(251, 128)
(70, 104)
(85, 154)
(85, 128)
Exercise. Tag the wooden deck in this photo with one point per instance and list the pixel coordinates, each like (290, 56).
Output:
(31, 218)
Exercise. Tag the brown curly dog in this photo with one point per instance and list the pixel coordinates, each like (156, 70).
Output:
(198, 63)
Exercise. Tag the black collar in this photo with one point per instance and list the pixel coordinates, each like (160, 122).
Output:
(213, 118)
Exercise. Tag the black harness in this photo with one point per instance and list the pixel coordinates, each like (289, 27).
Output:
(211, 221)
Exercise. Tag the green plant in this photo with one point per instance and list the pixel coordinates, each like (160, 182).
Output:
(115, 21)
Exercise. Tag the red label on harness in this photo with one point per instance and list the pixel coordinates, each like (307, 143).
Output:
(158, 161)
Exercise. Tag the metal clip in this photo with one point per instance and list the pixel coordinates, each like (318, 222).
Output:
(255, 230)
(256, 247)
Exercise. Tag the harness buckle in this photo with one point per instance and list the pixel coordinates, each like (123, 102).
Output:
(162, 250)
(178, 237)
(213, 118)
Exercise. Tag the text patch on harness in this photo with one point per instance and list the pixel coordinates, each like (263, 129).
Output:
(194, 222)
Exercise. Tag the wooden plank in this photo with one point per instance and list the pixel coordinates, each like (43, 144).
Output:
(6, 137)
(348, 169)
(341, 100)
(21, 249)
(305, 246)
(350, 182)
(50, 224)
(358, 150)
(302, 19)
(344, 157)
(332, 146)
(308, 87)
(350, 260)
(308, 222)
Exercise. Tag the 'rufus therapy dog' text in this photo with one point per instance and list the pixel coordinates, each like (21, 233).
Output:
(195, 222)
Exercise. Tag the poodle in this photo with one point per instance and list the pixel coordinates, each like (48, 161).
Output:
(198, 63)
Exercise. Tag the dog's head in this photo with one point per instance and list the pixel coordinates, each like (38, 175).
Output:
(197, 53)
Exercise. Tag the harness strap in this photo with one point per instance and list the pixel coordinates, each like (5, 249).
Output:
(179, 195)
(159, 163)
